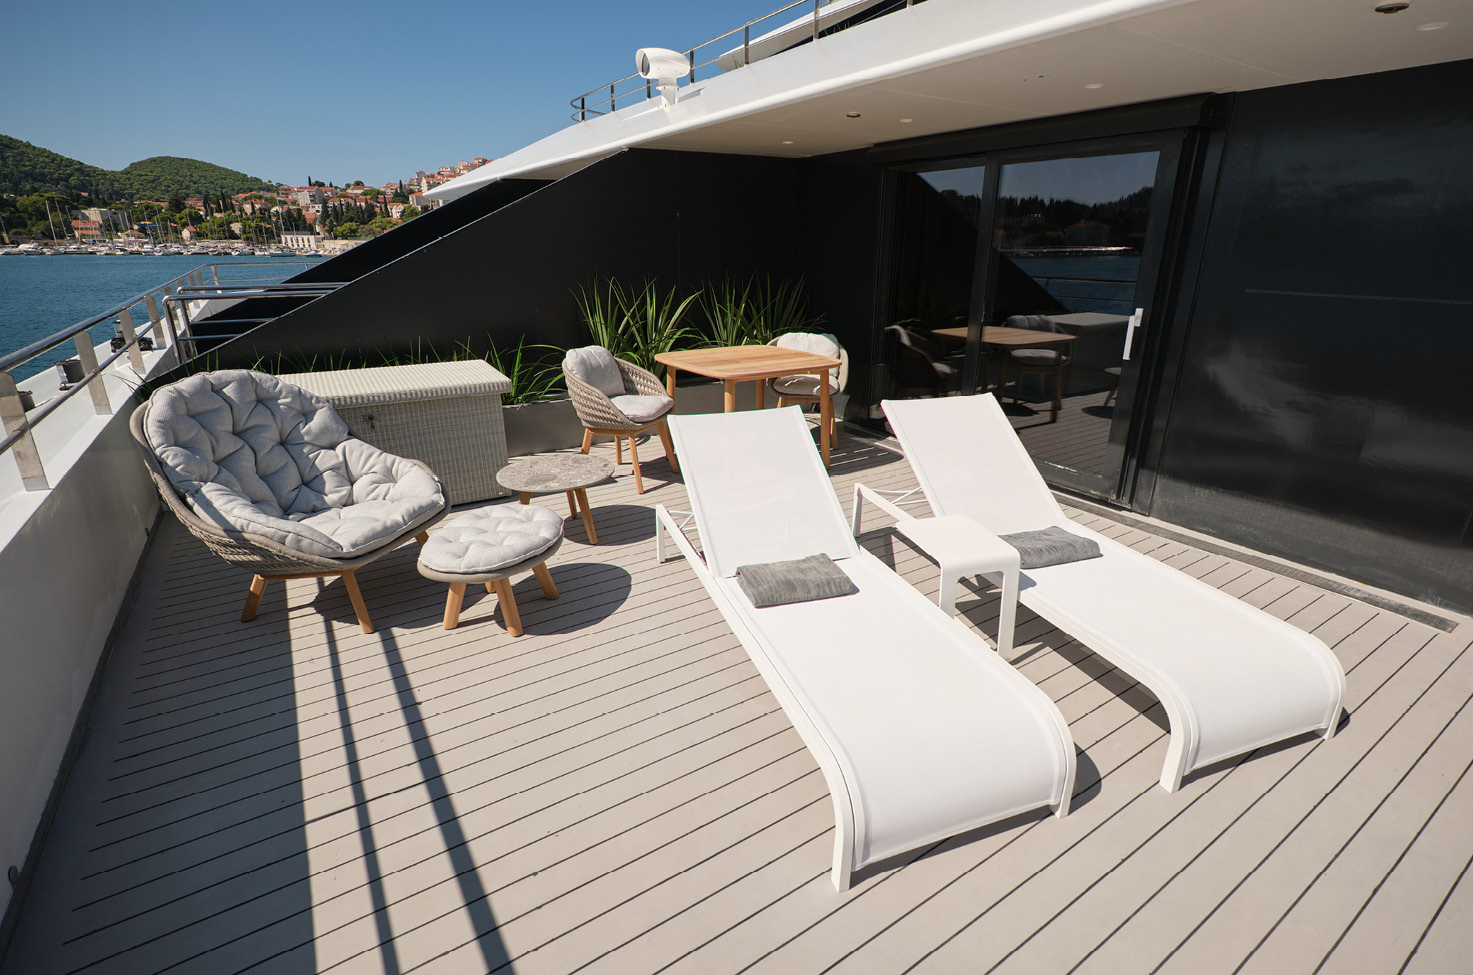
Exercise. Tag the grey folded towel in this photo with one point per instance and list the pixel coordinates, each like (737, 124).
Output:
(1051, 546)
(797, 581)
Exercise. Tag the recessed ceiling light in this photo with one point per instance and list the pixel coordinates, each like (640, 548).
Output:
(1095, 84)
(787, 142)
(907, 120)
(851, 115)
(1394, 7)
(1435, 25)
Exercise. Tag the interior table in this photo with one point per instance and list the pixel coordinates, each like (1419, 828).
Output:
(756, 363)
(551, 473)
(1002, 339)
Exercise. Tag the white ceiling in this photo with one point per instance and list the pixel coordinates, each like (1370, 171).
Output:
(955, 64)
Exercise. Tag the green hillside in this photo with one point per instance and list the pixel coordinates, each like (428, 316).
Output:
(25, 168)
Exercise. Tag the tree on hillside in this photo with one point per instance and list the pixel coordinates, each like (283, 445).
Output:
(347, 229)
(400, 195)
(410, 212)
(378, 225)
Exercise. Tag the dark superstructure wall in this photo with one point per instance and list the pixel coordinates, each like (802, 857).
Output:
(681, 218)
(1323, 409)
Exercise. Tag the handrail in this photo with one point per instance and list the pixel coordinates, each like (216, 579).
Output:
(583, 108)
(17, 423)
(187, 293)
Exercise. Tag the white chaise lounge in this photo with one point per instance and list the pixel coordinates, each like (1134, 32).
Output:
(921, 731)
(1231, 677)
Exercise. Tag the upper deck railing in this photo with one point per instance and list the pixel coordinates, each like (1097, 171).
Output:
(823, 18)
(167, 327)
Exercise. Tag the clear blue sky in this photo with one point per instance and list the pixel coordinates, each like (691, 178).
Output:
(336, 91)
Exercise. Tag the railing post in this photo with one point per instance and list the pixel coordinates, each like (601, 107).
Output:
(746, 45)
(215, 273)
(690, 58)
(612, 104)
(159, 337)
(169, 325)
(815, 20)
(125, 324)
(27, 457)
(88, 355)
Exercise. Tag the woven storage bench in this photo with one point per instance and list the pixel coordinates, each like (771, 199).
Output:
(447, 414)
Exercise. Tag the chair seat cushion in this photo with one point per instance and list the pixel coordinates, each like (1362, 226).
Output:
(597, 367)
(801, 385)
(483, 541)
(1036, 357)
(250, 453)
(642, 409)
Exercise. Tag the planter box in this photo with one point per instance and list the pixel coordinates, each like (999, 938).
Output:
(540, 426)
(447, 414)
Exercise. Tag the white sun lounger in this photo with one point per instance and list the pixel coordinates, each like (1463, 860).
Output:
(921, 731)
(1231, 677)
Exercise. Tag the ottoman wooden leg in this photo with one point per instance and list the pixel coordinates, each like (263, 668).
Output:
(545, 578)
(524, 498)
(452, 604)
(508, 603)
(572, 505)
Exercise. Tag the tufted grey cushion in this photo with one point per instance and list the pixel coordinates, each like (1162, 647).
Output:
(482, 541)
(597, 367)
(253, 454)
(642, 409)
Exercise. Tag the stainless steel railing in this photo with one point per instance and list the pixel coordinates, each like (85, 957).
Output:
(19, 422)
(634, 86)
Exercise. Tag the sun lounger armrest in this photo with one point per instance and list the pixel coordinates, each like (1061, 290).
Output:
(874, 496)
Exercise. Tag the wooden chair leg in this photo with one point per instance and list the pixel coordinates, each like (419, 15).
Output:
(359, 607)
(587, 516)
(782, 401)
(634, 459)
(544, 578)
(619, 449)
(452, 604)
(572, 506)
(508, 604)
(253, 601)
(422, 537)
(1058, 391)
(664, 431)
(587, 440)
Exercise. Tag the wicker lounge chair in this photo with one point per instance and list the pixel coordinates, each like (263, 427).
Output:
(618, 399)
(921, 731)
(251, 466)
(1230, 677)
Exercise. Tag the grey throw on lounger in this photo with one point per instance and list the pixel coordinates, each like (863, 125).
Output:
(797, 581)
(1051, 546)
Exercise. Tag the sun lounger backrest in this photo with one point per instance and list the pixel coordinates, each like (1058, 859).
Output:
(974, 463)
(767, 505)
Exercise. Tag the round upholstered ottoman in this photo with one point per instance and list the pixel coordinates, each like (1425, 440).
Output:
(491, 545)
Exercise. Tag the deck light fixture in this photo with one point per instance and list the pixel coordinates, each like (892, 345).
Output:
(664, 67)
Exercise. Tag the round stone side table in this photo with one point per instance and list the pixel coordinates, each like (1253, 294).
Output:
(552, 473)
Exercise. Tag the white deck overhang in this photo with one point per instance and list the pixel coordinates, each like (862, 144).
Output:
(946, 65)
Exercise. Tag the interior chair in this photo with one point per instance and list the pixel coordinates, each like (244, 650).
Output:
(618, 399)
(1230, 677)
(1036, 362)
(268, 477)
(804, 388)
(922, 732)
(915, 362)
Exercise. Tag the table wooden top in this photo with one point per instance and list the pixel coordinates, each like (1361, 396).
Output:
(738, 362)
(1005, 335)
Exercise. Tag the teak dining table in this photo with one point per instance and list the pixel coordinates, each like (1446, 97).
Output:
(756, 363)
(1000, 339)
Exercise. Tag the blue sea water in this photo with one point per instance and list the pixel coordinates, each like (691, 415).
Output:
(40, 296)
(1103, 283)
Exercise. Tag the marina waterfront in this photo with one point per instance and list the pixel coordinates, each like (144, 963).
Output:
(40, 296)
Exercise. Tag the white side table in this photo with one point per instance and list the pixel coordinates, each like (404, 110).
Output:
(965, 548)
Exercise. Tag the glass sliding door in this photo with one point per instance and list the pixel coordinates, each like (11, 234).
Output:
(1030, 275)
(1073, 260)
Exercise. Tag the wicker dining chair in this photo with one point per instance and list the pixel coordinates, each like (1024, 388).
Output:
(618, 399)
(267, 558)
(804, 388)
(1038, 362)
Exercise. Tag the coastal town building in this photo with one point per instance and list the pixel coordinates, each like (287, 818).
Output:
(308, 240)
